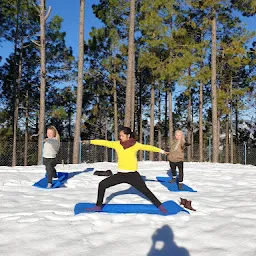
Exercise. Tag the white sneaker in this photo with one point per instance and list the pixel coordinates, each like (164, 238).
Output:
(49, 185)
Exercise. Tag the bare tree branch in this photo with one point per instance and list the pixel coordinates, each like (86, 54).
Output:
(48, 13)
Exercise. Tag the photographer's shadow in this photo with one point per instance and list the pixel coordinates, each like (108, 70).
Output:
(163, 244)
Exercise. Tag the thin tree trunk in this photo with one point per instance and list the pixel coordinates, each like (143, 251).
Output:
(26, 132)
(215, 150)
(218, 132)
(159, 124)
(130, 70)
(79, 99)
(115, 110)
(227, 140)
(152, 118)
(106, 138)
(192, 129)
(140, 115)
(170, 116)
(115, 114)
(236, 129)
(165, 118)
(189, 123)
(231, 123)
(201, 146)
(133, 89)
(15, 89)
(43, 82)
(16, 106)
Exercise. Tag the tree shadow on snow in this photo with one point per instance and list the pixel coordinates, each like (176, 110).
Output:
(163, 244)
(72, 174)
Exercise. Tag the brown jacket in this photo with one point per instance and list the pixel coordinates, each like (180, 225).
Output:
(176, 151)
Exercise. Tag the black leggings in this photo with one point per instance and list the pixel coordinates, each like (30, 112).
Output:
(173, 166)
(50, 163)
(132, 178)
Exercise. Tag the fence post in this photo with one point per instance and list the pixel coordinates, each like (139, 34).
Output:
(145, 142)
(80, 150)
(42, 161)
(112, 150)
(245, 152)
(210, 150)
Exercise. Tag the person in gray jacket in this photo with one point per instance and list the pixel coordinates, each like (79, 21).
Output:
(50, 150)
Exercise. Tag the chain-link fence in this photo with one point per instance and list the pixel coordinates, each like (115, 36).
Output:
(243, 154)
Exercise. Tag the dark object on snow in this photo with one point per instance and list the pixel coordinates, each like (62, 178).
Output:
(183, 201)
(188, 205)
(103, 173)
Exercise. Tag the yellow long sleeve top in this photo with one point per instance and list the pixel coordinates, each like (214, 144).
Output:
(127, 158)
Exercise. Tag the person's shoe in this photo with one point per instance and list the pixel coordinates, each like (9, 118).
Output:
(172, 180)
(95, 208)
(162, 209)
(183, 201)
(49, 185)
(188, 205)
(180, 186)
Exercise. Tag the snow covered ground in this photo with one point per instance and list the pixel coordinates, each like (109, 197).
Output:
(36, 221)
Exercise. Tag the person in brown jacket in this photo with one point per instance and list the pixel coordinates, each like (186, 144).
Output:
(176, 157)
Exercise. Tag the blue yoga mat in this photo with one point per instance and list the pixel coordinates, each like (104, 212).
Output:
(62, 177)
(171, 206)
(173, 186)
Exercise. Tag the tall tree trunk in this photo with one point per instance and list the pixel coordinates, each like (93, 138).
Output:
(236, 129)
(15, 88)
(26, 131)
(79, 99)
(159, 124)
(133, 89)
(231, 123)
(106, 138)
(218, 132)
(201, 145)
(165, 118)
(16, 105)
(227, 140)
(115, 110)
(130, 70)
(170, 116)
(152, 118)
(141, 119)
(115, 114)
(42, 82)
(189, 127)
(215, 149)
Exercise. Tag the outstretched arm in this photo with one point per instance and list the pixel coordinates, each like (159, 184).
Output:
(151, 148)
(105, 143)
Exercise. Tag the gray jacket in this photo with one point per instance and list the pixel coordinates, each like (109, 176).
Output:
(51, 148)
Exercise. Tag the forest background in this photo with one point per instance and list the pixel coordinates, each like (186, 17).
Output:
(156, 66)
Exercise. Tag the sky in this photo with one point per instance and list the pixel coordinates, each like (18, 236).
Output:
(36, 222)
(69, 10)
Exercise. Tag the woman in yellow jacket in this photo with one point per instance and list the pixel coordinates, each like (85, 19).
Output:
(126, 149)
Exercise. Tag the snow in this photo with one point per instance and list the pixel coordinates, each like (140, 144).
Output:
(36, 221)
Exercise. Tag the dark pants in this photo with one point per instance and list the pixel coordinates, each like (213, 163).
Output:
(173, 166)
(50, 163)
(132, 178)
